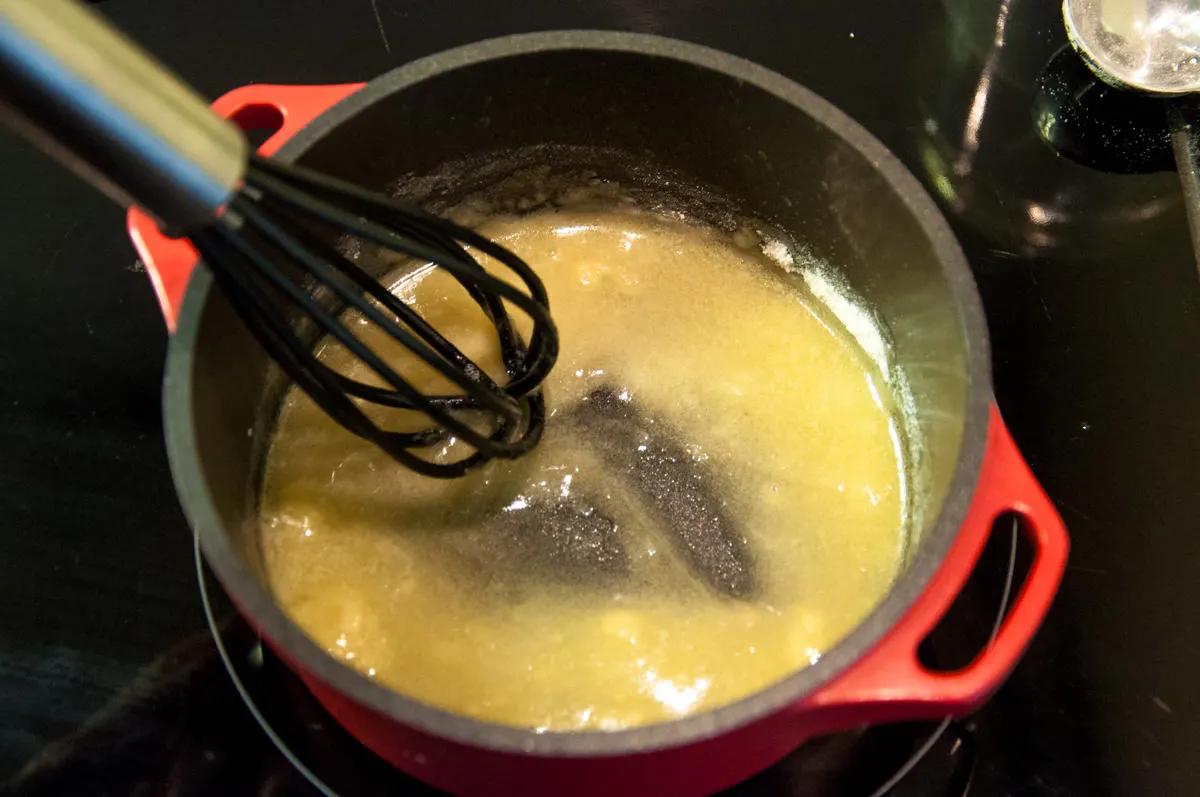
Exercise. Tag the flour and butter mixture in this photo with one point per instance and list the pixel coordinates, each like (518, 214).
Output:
(718, 497)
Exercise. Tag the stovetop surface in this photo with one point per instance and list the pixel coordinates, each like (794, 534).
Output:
(1093, 303)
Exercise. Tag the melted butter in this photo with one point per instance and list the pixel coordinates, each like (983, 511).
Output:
(553, 592)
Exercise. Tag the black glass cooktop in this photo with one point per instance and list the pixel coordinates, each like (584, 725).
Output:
(109, 680)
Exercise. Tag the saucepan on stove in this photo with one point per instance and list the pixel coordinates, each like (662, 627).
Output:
(691, 130)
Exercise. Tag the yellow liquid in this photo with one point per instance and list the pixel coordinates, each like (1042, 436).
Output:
(459, 594)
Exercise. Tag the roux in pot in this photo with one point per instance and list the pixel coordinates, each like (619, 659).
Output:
(718, 497)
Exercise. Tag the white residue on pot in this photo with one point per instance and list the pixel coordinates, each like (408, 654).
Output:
(830, 288)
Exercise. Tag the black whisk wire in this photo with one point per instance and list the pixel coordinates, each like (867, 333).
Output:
(265, 236)
(420, 227)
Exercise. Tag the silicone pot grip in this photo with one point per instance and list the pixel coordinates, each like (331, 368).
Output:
(890, 683)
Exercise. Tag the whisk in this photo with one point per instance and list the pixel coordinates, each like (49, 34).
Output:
(90, 97)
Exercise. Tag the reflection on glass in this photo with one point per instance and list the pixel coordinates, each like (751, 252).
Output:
(982, 146)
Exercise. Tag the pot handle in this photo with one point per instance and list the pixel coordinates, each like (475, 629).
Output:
(284, 109)
(890, 683)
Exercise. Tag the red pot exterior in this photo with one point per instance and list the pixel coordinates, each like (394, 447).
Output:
(886, 684)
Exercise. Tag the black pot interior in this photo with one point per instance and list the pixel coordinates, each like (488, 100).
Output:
(792, 167)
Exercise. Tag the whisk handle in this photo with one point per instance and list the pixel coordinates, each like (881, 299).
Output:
(94, 100)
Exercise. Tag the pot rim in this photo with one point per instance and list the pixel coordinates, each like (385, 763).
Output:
(254, 599)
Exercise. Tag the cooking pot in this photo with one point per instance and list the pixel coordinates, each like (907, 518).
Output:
(786, 156)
